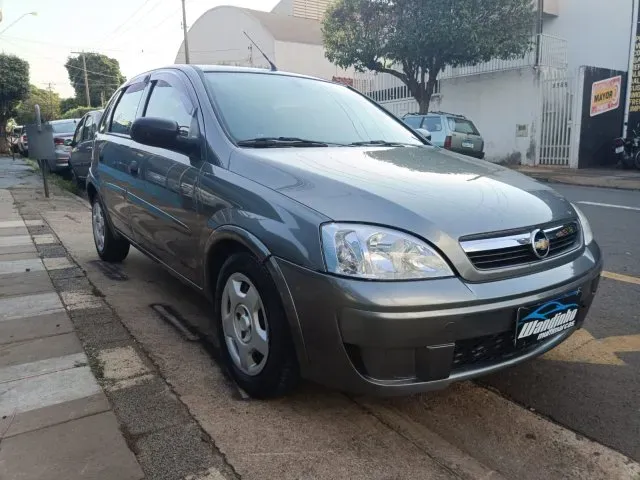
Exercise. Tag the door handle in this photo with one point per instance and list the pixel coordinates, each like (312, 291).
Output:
(133, 168)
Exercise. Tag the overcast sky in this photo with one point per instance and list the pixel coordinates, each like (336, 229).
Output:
(140, 34)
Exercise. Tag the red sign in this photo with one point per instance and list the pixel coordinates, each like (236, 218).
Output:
(605, 95)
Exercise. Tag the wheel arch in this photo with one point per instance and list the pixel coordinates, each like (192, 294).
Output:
(229, 239)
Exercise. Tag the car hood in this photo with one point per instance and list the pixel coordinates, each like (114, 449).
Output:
(425, 190)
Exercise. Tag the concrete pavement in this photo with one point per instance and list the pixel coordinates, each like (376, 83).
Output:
(588, 177)
(55, 421)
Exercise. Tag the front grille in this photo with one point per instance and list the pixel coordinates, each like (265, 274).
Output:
(513, 250)
(486, 350)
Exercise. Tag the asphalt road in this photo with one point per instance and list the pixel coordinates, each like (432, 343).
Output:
(599, 399)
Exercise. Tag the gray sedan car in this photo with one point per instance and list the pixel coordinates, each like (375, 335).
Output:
(333, 242)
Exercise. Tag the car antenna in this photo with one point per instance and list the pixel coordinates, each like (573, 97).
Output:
(273, 65)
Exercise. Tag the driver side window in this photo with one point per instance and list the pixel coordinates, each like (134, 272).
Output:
(168, 101)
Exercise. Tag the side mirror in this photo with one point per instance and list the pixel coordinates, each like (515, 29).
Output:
(162, 133)
(73, 144)
(424, 132)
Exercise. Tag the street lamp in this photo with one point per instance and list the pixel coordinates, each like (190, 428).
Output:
(17, 20)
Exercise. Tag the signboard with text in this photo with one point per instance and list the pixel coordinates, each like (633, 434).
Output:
(634, 99)
(605, 95)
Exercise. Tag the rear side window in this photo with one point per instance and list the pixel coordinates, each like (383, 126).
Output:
(433, 124)
(462, 125)
(125, 111)
(413, 122)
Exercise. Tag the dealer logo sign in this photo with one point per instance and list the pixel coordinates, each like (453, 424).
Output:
(547, 319)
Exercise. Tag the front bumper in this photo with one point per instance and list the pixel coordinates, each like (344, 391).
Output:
(397, 338)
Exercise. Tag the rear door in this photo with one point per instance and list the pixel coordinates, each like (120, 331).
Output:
(433, 123)
(164, 214)
(83, 146)
(117, 166)
(465, 138)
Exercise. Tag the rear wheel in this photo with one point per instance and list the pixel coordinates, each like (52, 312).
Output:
(254, 333)
(110, 247)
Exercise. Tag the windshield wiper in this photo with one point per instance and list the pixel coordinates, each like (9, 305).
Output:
(271, 142)
(381, 143)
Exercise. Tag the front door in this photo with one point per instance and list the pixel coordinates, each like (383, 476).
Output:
(117, 161)
(164, 214)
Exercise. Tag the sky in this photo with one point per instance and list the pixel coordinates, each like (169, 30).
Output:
(140, 34)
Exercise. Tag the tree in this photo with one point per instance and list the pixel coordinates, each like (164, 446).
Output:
(67, 104)
(414, 40)
(48, 100)
(14, 86)
(104, 77)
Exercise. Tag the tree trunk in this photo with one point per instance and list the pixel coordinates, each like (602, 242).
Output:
(424, 104)
(4, 145)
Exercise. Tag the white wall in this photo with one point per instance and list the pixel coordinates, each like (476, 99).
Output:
(217, 38)
(496, 103)
(308, 60)
(598, 32)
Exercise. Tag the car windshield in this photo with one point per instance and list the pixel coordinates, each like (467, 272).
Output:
(64, 127)
(257, 105)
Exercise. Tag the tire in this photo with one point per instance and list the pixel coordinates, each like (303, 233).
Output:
(276, 373)
(110, 248)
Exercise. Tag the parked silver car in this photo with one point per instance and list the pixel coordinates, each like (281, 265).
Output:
(450, 131)
(82, 146)
(63, 131)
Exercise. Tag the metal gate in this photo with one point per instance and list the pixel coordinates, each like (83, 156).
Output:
(557, 102)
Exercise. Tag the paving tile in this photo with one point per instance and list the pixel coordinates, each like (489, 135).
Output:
(22, 248)
(174, 452)
(19, 256)
(122, 362)
(148, 406)
(29, 306)
(13, 331)
(33, 223)
(42, 367)
(39, 349)
(13, 231)
(51, 389)
(15, 240)
(104, 335)
(11, 224)
(26, 283)
(90, 447)
(57, 263)
(43, 239)
(53, 415)
(20, 266)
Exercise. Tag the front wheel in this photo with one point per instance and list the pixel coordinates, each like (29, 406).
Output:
(255, 339)
(110, 247)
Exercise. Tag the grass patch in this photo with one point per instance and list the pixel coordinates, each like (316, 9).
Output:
(52, 178)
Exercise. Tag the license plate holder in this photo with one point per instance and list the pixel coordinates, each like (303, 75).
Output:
(619, 149)
(467, 144)
(545, 320)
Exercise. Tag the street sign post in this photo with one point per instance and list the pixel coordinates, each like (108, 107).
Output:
(40, 138)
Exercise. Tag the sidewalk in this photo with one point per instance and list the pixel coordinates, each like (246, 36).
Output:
(55, 420)
(588, 177)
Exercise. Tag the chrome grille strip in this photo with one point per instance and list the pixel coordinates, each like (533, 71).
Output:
(515, 250)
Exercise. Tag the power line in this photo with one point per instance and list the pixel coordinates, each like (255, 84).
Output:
(127, 20)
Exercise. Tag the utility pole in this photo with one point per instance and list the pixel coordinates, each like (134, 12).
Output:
(184, 29)
(86, 77)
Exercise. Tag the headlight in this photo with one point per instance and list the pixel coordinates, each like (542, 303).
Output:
(587, 234)
(370, 252)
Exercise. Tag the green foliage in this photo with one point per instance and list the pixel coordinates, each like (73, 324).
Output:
(67, 104)
(77, 112)
(14, 87)
(414, 40)
(104, 77)
(49, 102)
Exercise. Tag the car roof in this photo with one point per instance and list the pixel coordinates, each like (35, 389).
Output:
(62, 120)
(220, 68)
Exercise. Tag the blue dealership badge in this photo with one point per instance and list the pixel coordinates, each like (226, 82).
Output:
(550, 318)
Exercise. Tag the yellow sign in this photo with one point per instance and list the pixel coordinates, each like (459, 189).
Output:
(605, 95)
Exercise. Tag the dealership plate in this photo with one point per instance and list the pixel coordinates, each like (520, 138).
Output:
(467, 144)
(542, 321)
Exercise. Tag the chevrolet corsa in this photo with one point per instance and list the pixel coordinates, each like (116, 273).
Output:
(334, 242)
